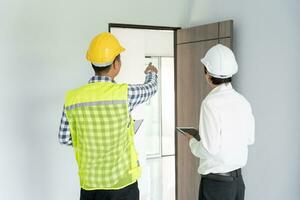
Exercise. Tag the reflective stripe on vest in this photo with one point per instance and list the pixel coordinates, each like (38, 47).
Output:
(102, 134)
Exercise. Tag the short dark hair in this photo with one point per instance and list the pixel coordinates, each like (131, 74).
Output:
(105, 69)
(218, 81)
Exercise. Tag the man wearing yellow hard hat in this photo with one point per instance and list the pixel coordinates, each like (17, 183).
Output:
(96, 121)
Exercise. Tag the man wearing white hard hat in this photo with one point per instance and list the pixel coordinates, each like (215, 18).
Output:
(226, 129)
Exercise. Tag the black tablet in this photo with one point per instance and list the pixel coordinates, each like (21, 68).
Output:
(189, 130)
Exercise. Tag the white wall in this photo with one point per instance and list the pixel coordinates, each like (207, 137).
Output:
(267, 45)
(42, 54)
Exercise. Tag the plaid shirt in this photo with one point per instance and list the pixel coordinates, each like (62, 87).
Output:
(137, 94)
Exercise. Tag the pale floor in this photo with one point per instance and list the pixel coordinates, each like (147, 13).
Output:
(158, 179)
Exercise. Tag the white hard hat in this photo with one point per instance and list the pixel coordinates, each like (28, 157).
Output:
(220, 62)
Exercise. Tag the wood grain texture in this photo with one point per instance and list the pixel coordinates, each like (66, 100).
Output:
(199, 33)
(191, 90)
(227, 42)
(225, 29)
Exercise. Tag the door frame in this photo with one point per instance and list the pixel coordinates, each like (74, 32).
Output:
(174, 29)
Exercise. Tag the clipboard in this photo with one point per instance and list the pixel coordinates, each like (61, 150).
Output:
(137, 125)
(189, 130)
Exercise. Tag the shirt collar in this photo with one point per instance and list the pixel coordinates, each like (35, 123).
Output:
(222, 87)
(96, 78)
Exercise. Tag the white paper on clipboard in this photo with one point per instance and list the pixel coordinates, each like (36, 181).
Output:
(137, 124)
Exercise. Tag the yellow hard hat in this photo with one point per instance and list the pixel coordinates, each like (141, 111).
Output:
(104, 48)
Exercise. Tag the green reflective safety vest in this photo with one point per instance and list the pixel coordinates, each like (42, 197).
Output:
(102, 133)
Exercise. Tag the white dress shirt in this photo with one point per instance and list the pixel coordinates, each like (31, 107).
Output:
(226, 129)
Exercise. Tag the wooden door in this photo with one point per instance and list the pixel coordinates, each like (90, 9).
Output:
(191, 88)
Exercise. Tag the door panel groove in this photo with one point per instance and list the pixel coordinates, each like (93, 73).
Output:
(220, 38)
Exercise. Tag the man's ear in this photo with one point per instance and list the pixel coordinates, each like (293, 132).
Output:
(114, 66)
(117, 64)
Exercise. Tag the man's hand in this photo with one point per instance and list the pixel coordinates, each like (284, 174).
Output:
(151, 68)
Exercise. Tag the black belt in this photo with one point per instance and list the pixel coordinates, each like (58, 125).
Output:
(228, 176)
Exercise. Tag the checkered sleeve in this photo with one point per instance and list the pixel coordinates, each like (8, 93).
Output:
(140, 93)
(64, 134)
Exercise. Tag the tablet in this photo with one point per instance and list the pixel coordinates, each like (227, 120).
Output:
(189, 130)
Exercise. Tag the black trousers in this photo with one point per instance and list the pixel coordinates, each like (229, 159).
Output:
(130, 192)
(212, 189)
